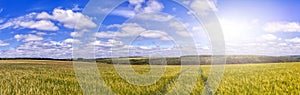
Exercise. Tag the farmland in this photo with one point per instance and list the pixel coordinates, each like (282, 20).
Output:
(58, 77)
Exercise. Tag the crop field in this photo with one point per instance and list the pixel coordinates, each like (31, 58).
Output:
(19, 77)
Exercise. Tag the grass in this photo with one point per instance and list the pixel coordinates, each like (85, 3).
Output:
(58, 77)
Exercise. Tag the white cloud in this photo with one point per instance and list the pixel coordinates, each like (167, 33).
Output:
(6, 25)
(127, 30)
(41, 33)
(197, 28)
(76, 34)
(124, 13)
(167, 38)
(40, 49)
(137, 4)
(39, 25)
(43, 15)
(69, 18)
(130, 29)
(28, 21)
(282, 27)
(109, 43)
(154, 17)
(177, 25)
(133, 30)
(282, 44)
(71, 41)
(27, 38)
(186, 2)
(76, 7)
(183, 33)
(145, 47)
(150, 7)
(153, 34)
(266, 44)
(294, 40)
(105, 34)
(180, 29)
(203, 7)
(114, 26)
(270, 37)
(153, 6)
(3, 43)
(43, 21)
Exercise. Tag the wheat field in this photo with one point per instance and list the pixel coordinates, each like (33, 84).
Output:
(42, 77)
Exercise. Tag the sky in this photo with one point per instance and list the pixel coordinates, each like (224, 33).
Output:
(51, 28)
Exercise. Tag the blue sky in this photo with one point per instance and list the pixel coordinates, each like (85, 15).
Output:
(145, 27)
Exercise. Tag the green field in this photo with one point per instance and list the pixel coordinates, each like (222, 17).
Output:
(58, 77)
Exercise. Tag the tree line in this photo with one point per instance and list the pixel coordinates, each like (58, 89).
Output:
(184, 60)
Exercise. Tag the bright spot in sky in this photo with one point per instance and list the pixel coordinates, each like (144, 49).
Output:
(234, 29)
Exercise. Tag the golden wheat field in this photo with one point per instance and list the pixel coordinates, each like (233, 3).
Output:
(19, 77)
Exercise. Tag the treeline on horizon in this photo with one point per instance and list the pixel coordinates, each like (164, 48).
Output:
(27, 58)
(206, 60)
(188, 60)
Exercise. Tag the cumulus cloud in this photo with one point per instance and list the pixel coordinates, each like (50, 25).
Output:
(132, 30)
(3, 43)
(43, 15)
(71, 41)
(41, 21)
(203, 7)
(109, 43)
(40, 49)
(294, 40)
(28, 37)
(282, 27)
(76, 7)
(127, 29)
(270, 37)
(40, 33)
(6, 25)
(266, 44)
(154, 17)
(45, 49)
(124, 13)
(180, 29)
(177, 25)
(153, 6)
(39, 25)
(76, 34)
(137, 4)
(105, 34)
(153, 34)
(186, 2)
(114, 26)
(28, 21)
(142, 7)
(183, 33)
(69, 18)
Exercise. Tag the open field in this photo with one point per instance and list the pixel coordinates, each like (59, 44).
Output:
(58, 77)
